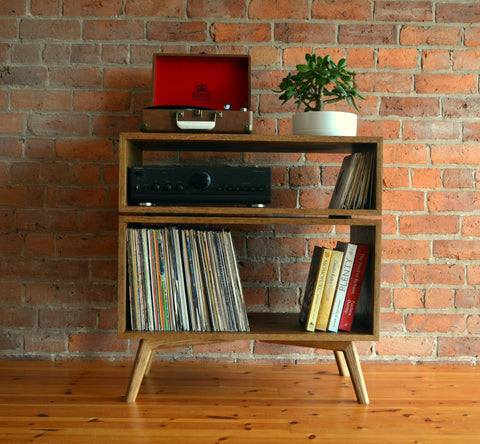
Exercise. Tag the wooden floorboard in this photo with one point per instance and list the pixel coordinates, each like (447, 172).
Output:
(82, 402)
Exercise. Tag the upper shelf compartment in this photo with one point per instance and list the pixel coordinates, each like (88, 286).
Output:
(133, 146)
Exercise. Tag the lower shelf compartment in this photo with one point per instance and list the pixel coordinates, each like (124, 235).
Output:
(281, 328)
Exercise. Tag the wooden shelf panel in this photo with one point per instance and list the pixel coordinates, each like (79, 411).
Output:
(267, 327)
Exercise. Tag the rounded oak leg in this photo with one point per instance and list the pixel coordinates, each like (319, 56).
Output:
(142, 362)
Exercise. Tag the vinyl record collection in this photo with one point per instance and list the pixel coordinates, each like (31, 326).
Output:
(184, 280)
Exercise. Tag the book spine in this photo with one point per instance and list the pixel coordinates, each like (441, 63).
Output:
(318, 292)
(329, 291)
(342, 286)
(353, 292)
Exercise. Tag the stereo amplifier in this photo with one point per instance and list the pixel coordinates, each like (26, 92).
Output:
(153, 185)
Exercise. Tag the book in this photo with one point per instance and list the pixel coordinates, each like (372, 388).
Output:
(314, 287)
(349, 251)
(329, 290)
(354, 286)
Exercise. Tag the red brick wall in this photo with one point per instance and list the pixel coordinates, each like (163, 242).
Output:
(74, 74)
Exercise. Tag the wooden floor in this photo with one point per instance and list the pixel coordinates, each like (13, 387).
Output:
(82, 402)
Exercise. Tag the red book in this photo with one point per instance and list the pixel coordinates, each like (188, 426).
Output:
(354, 286)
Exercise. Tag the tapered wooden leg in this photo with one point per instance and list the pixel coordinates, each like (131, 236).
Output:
(341, 363)
(353, 363)
(142, 361)
(149, 364)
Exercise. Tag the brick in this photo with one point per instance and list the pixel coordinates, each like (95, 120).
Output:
(403, 200)
(11, 123)
(453, 201)
(438, 298)
(97, 149)
(78, 76)
(101, 101)
(264, 56)
(267, 79)
(49, 29)
(341, 10)
(473, 275)
(293, 9)
(397, 58)
(304, 176)
(45, 7)
(407, 298)
(367, 34)
(76, 198)
(436, 59)
(240, 32)
(117, 54)
(458, 178)
(427, 178)
(396, 177)
(304, 32)
(31, 76)
(458, 346)
(411, 35)
(445, 83)
(392, 273)
(96, 342)
(41, 100)
(391, 322)
(457, 249)
(26, 53)
(437, 323)
(431, 129)
(396, 11)
(384, 82)
(65, 270)
(113, 30)
(315, 198)
(471, 132)
(85, 53)
(471, 226)
(473, 324)
(276, 247)
(177, 31)
(127, 78)
(283, 299)
(410, 153)
(405, 249)
(466, 60)
(66, 318)
(429, 224)
(112, 126)
(360, 57)
(13, 7)
(62, 124)
(434, 274)
(258, 272)
(405, 346)
(472, 37)
(461, 13)
(142, 8)
(40, 245)
(10, 340)
(39, 342)
(17, 317)
(467, 298)
(87, 8)
(465, 108)
(409, 106)
(455, 154)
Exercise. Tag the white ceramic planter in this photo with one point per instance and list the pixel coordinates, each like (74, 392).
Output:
(325, 123)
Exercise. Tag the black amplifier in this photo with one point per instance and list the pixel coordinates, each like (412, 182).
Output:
(153, 185)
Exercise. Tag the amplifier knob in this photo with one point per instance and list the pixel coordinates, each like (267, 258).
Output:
(156, 187)
(179, 187)
(168, 187)
(201, 180)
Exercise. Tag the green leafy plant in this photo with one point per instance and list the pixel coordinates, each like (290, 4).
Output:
(319, 82)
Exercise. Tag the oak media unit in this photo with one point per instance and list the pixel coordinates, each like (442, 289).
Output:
(363, 226)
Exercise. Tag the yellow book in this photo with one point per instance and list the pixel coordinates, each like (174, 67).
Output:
(329, 290)
(317, 277)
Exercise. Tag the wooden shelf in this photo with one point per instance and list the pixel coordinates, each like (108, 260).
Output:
(363, 226)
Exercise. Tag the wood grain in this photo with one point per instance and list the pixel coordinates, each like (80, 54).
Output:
(82, 402)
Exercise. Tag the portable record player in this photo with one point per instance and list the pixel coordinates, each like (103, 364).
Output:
(200, 93)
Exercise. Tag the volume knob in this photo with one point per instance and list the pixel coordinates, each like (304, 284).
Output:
(201, 180)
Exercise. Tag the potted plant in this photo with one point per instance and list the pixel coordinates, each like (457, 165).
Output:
(318, 83)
